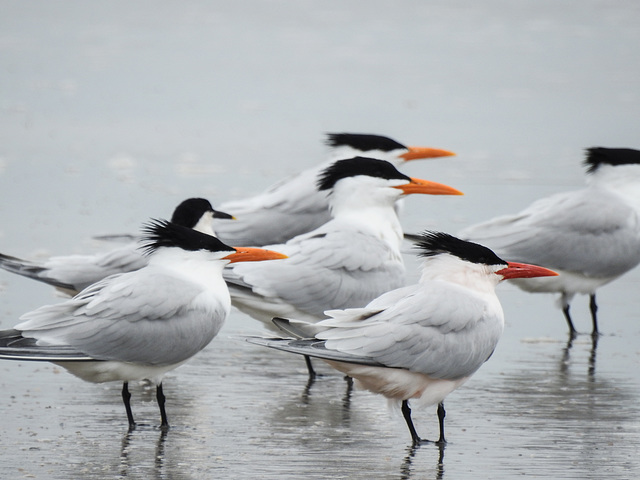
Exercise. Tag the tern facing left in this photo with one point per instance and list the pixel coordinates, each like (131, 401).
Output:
(420, 342)
(137, 325)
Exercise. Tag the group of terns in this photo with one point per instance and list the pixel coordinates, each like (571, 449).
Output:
(334, 287)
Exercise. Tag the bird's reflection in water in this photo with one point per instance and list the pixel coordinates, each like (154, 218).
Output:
(592, 356)
(566, 355)
(346, 399)
(159, 458)
(405, 468)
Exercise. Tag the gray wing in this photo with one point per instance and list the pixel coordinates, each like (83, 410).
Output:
(311, 348)
(76, 272)
(328, 269)
(436, 328)
(142, 317)
(289, 208)
(84, 270)
(32, 270)
(13, 346)
(590, 231)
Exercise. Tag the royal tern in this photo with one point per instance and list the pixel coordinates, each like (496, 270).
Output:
(294, 206)
(589, 236)
(72, 273)
(141, 324)
(420, 342)
(348, 261)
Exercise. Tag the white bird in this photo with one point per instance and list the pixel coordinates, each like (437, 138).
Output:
(73, 273)
(137, 325)
(294, 206)
(420, 342)
(348, 261)
(589, 236)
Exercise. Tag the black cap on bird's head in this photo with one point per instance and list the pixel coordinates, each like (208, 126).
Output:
(597, 156)
(190, 211)
(161, 233)
(363, 142)
(355, 166)
(434, 243)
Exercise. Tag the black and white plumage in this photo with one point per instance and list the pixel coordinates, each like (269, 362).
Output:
(294, 206)
(137, 325)
(417, 343)
(72, 273)
(348, 261)
(589, 236)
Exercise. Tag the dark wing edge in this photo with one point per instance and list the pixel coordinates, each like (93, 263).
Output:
(312, 348)
(30, 270)
(13, 346)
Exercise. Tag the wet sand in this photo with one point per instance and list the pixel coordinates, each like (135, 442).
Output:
(114, 114)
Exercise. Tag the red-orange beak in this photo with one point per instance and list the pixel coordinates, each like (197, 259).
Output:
(415, 153)
(524, 270)
(418, 185)
(250, 254)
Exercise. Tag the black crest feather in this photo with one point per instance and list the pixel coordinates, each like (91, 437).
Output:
(355, 166)
(597, 156)
(434, 243)
(363, 142)
(161, 233)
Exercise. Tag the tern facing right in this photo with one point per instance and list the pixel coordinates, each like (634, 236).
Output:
(589, 236)
(348, 261)
(137, 325)
(422, 341)
(71, 273)
(294, 206)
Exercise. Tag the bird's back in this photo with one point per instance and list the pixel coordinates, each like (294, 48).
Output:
(287, 209)
(329, 268)
(149, 316)
(590, 232)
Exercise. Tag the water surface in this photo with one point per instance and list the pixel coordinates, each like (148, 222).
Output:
(113, 113)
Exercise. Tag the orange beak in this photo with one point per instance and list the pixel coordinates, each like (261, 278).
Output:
(524, 270)
(430, 188)
(250, 254)
(415, 153)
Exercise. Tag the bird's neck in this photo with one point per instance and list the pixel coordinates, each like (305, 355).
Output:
(205, 225)
(380, 221)
(196, 267)
(471, 276)
(621, 180)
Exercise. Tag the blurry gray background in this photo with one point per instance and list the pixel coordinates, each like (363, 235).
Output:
(114, 112)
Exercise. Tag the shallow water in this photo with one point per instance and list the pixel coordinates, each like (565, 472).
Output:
(115, 113)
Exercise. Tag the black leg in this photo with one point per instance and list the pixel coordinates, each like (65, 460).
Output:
(593, 306)
(126, 397)
(310, 369)
(567, 316)
(406, 412)
(161, 401)
(441, 414)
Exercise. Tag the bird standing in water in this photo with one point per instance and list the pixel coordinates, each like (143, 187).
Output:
(137, 325)
(589, 236)
(421, 342)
